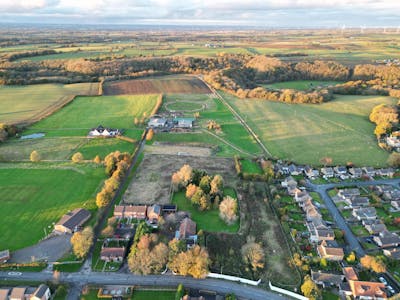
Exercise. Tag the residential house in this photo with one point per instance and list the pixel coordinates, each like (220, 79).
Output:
(157, 121)
(119, 211)
(364, 213)
(112, 254)
(348, 193)
(294, 170)
(341, 172)
(393, 253)
(389, 172)
(137, 212)
(327, 172)
(330, 251)
(312, 212)
(154, 212)
(384, 188)
(72, 221)
(18, 293)
(289, 181)
(326, 280)
(4, 293)
(374, 226)
(292, 190)
(41, 293)
(387, 239)
(319, 231)
(349, 273)
(395, 204)
(357, 201)
(100, 131)
(4, 256)
(309, 172)
(187, 231)
(367, 290)
(301, 197)
(369, 171)
(393, 141)
(355, 172)
(392, 195)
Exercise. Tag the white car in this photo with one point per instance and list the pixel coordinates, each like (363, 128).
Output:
(14, 273)
(391, 289)
(383, 280)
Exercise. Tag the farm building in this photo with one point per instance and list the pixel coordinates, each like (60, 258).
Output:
(4, 256)
(100, 131)
(157, 121)
(71, 221)
(183, 122)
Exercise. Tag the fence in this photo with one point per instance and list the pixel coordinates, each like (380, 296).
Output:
(234, 278)
(286, 292)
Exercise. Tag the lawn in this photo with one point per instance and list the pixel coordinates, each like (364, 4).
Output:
(300, 85)
(33, 196)
(19, 103)
(102, 147)
(359, 230)
(156, 295)
(206, 220)
(249, 166)
(303, 133)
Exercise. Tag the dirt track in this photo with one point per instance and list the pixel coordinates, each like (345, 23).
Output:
(152, 181)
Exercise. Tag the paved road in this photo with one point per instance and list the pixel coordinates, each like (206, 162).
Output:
(219, 286)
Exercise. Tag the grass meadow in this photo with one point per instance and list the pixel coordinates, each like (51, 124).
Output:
(300, 85)
(33, 196)
(339, 129)
(20, 103)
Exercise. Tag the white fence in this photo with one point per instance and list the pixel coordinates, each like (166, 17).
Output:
(234, 278)
(286, 292)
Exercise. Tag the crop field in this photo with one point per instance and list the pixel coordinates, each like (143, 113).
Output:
(300, 85)
(160, 85)
(339, 129)
(66, 130)
(20, 103)
(34, 196)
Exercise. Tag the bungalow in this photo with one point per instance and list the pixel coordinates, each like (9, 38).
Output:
(369, 171)
(387, 239)
(18, 293)
(100, 131)
(395, 204)
(187, 231)
(327, 172)
(357, 201)
(355, 172)
(4, 256)
(289, 181)
(340, 171)
(157, 121)
(4, 293)
(348, 193)
(364, 213)
(41, 293)
(319, 231)
(374, 226)
(367, 290)
(389, 172)
(326, 280)
(330, 251)
(112, 254)
(393, 253)
(135, 212)
(72, 221)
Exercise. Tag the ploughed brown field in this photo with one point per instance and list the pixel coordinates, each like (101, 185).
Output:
(161, 85)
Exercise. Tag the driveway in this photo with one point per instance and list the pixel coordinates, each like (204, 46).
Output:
(50, 250)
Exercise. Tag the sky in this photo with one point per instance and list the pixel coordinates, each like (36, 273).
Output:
(263, 13)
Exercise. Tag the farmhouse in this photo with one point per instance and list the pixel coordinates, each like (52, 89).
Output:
(365, 213)
(41, 293)
(387, 239)
(330, 251)
(157, 121)
(4, 256)
(100, 131)
(326, 279)
(72, 221)
(393, 141)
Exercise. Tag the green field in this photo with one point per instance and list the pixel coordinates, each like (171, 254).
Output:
(206, 220)
(66, 130)
(20, 103)
(251, 167)
(300, 85)
(33, 196)
(339, 129)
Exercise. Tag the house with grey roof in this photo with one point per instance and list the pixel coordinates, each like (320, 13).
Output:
(326, 280)
(387, 239)
(41, 293)
(364, 213)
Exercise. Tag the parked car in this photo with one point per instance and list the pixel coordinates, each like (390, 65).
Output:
(383, 280)
(391, 289)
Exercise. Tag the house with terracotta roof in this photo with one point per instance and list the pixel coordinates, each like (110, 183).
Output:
(138, 212)
(367, 290)
(72, 221)
(4, 293)
(112, 254)
(18, 293)
(187, 231)
(349, 273)
(330, 251)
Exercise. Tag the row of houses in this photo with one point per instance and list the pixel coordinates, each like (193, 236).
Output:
(341, 172)
(151, 213)
(350, 285)
(42, 292)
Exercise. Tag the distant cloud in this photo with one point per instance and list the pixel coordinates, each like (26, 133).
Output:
(235, 12)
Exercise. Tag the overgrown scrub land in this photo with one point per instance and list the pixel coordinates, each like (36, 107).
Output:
(339, 129)
(66, 130)
(20, 103)
(178, 84)
(33, 196)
